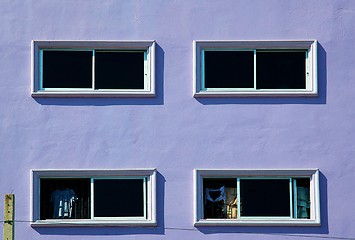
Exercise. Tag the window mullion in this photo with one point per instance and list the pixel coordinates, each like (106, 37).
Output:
(92, 198)
(145, 201)
(308, 69)
(93, 69)
(238, 198)
(202, 202)
(312, 197)
(41, 69)
(146, 71)
(203, 70)
(294, 198)
(291, 201)
(255, 69)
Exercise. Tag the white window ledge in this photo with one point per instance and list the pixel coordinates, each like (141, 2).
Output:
(93, 223)
(257, 93)
(99, 94)
(265, 222)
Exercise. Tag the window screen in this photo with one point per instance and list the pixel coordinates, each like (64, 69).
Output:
(118, 198)
(229, 69)
(67, 69)
(265, 197)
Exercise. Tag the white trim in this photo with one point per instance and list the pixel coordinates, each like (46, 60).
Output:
(291, 196)
(92, 199)
(93, 58)
(294, 187)
(149, 79)
(200, 174)
(203, 87)
(311, 66)
(145, 198)
(149, 218)
(238, 199)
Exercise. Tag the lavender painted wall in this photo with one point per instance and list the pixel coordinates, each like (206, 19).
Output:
(175, 132)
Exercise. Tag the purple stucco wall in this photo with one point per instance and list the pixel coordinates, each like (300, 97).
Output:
(175, 132)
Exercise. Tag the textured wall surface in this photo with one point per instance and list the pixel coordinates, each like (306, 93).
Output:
(175, 132)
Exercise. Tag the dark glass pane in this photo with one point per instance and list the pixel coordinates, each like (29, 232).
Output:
(118, 198)
(219, 197)
(265, 198)
(229, 69)
(67, 69)
(281, 70)
(119, 70)
(303, 198)
(56, 196)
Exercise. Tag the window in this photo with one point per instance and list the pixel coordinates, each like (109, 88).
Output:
(93, 69)
(257, 197)
(255, 68)
(94, 197)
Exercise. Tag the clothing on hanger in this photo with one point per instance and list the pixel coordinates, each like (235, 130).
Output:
(63, 202)
(221, 197)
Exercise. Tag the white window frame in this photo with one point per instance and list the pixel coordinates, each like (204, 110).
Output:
(313, 174)
(150, 194)
(198, 68)
(149, 68)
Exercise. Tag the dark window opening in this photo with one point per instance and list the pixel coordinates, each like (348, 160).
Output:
(118, 198)
(70, 198)
(258, 198)
(277, 69)
(119, 70)
(74, 69)
(220, 198)
(265, 197)
(56, 196)
(303, 198)
(67, 69)
(229, 69)
(281, 70)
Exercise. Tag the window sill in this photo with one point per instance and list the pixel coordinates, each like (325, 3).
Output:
(93, 223)
(255, 94)
(264, 222)
(93, 94)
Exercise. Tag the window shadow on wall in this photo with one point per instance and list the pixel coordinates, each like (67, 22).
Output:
(106, 101)
(320, 99)
(287, 231)
(158, 230)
